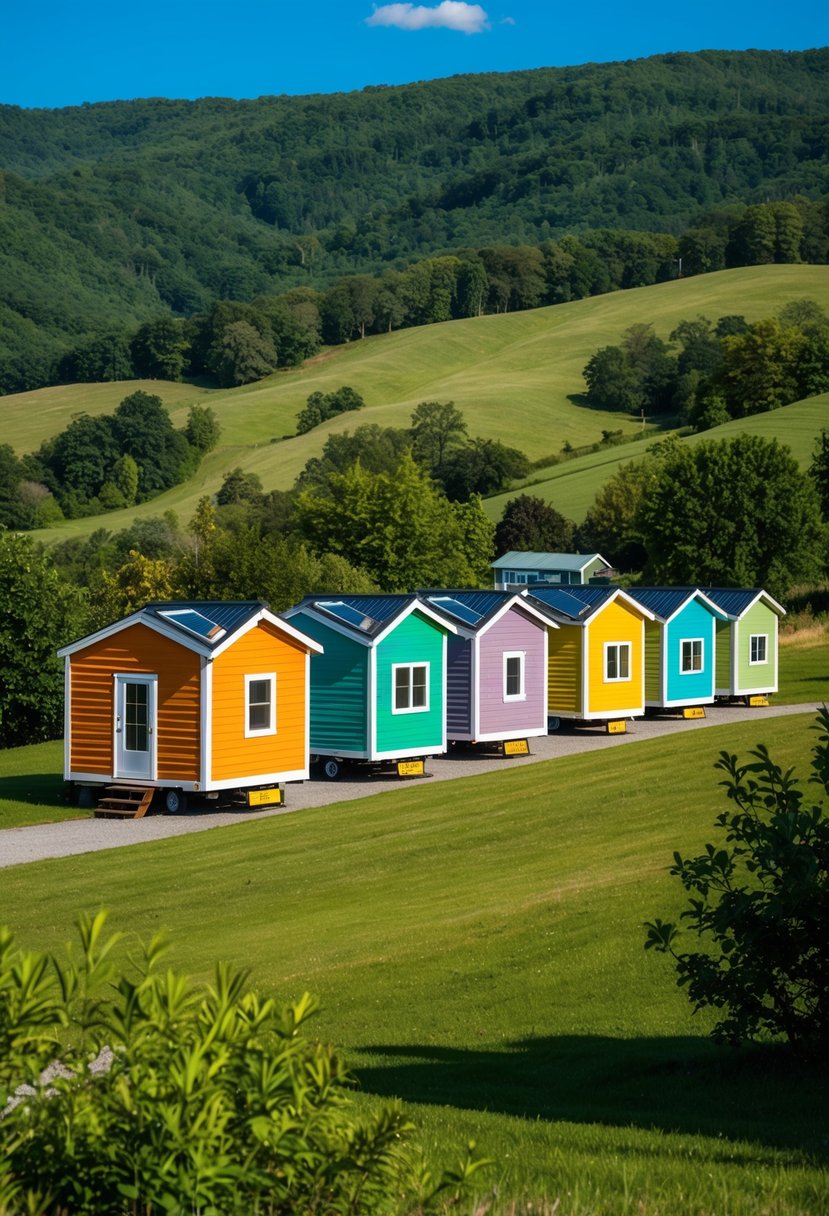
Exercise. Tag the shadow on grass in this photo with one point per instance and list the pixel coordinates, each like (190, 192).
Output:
(683, 1084)
(35, 789)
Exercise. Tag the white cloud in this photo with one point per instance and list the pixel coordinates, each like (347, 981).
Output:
(448, 15)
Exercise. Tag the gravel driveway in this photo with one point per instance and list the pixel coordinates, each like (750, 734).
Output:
(71, 837)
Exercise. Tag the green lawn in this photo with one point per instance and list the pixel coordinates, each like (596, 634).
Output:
(478, 951)
(31, 786)
(513, 375)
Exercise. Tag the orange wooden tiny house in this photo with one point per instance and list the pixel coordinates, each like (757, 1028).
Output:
(197, 697)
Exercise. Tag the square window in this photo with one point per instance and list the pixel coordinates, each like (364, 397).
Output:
(617, 661)
(260, 705)
(759, 648)
(411, 687)
(691, 655)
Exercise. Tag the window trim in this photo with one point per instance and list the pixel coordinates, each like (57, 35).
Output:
(752, 637)
(617, 646)
(410, 709)
(691, 671)
(270, 729)
(521, 695)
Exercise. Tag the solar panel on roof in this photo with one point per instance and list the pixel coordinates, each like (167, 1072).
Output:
(352, 616)
(194, 622)
(461, 611)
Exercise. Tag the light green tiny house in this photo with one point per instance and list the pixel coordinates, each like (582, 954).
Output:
(747, 646)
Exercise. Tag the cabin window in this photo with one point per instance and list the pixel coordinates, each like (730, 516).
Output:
(759, 648)
(260, 705)
(410, 688)
(514, 676)
(616, 661)
(691, 655)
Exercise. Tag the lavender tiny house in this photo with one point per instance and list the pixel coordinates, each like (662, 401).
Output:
(496, 678)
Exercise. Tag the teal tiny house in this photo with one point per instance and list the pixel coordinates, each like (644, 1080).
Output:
(379, 692)
(746, 642)
(680, 646)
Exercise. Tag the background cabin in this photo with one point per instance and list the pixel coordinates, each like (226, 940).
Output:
(596, 655)
(516, 570)
(195, 697)
(379, 690)
(680, 646)
(746, 642)
(497, 666)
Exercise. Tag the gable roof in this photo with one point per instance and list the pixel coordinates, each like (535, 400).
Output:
(367, 617)
(579, 601)
(736, 601)
(666, 602)
(206, 626)
(517, 559)
(475, 611)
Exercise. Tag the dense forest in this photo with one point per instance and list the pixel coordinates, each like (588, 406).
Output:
(118, 213)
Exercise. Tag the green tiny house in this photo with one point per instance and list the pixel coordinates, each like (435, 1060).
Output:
(747, 646)
(381, 693)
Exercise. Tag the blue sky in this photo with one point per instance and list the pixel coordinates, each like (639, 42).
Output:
(56, 53)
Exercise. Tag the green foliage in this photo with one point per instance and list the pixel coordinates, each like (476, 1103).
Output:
(147, 1092)
(39, 612)
(760, 904)
(731, 513)
(438, 428)
(532, 525)
(159, 349)
(202, 430)
(482, 466)
(240, 354)
(322, 406)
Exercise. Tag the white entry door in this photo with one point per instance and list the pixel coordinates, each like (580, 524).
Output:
(135, 723)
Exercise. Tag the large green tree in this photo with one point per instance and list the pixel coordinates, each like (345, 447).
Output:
(733, 513)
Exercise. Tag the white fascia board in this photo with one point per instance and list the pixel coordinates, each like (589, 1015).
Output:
(265, 614)
(517, 601)
(620, 594)
(356, 635)
(137, 618)
(416, 605)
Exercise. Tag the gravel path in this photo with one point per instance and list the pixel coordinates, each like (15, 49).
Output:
(75, 836)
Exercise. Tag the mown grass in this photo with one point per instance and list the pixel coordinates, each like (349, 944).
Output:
(31, 786)
(477, 947)
(514, 376)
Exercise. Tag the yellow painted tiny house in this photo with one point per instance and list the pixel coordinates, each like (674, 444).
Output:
(190, 698)
(596, 663)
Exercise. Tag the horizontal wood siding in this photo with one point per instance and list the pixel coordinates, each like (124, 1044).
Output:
(513, 633)
(615, 623)
(414, 640)
(262, 649)
(758, 676)
(653, 655)
(459, 686)
(724, 631)
(564, 682)
(339, 689)
(142, 651)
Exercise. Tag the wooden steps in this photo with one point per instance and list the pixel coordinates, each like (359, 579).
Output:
(125, 801)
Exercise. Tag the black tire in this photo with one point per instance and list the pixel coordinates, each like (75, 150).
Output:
(331, 768)
(553, 724)
(175, 802)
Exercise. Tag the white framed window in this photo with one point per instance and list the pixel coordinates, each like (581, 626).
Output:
(758, 648)
(409, 688)
(692, 651)
(616, 662)
(260, 704)
(514, 689)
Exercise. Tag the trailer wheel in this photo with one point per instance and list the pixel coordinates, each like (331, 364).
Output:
(175, 802)
(553, 724)
(331, 768)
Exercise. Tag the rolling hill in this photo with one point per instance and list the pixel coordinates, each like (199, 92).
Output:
(512, 375)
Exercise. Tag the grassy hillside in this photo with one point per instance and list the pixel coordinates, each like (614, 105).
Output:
(481, 957)
(513, 376)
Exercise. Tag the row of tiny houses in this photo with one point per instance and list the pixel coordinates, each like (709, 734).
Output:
(228, 699)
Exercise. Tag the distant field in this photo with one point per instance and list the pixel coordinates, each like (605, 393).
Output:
(512, 375)
(480, 956)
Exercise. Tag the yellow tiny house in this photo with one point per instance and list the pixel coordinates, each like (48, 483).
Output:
(197, 697)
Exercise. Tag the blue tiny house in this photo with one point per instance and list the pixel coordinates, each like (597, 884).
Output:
(680, 646)
(379, 693)
(497, 666)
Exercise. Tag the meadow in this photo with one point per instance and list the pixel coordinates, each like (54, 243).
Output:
(478, 951)
(517, 377)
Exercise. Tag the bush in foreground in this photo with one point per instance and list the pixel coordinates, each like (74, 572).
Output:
(146, 1092)
(760, 905)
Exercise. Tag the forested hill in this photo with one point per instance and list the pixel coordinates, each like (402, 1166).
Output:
(116, 212)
